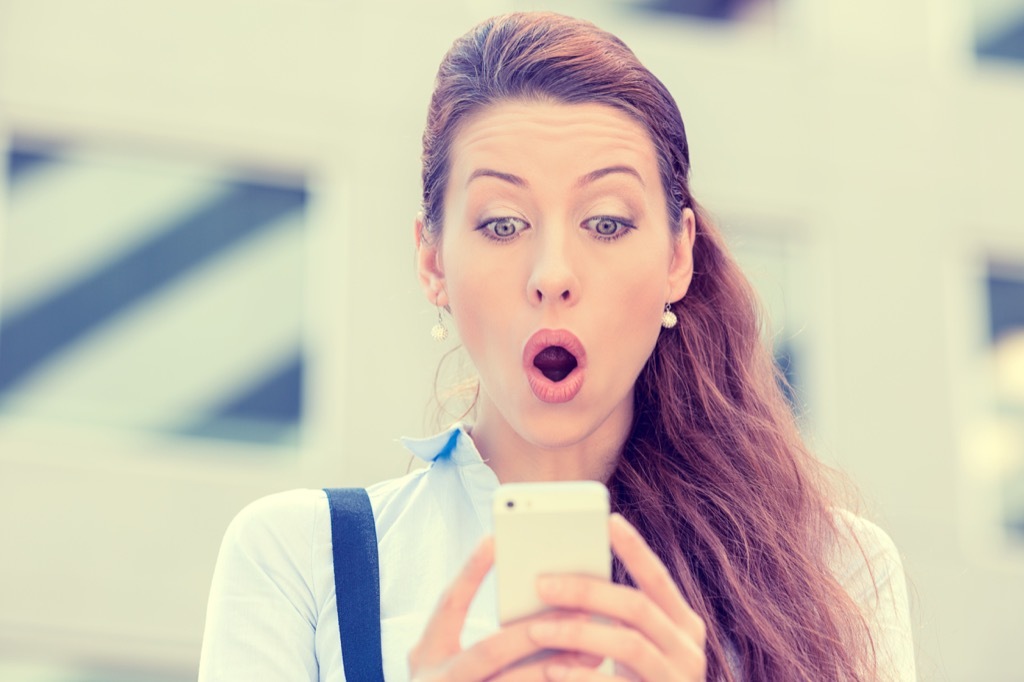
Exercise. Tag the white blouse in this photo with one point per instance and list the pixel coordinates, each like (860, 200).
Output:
(272, 613)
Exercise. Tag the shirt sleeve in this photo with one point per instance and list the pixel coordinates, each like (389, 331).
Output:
(261, 615)
(869, 568)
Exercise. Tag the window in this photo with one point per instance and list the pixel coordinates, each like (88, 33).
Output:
(1005, 286)
(777, 268)
(999, 29)
(144, 291)
(713, 10)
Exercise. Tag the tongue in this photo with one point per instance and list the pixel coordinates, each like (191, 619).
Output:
(555, 363)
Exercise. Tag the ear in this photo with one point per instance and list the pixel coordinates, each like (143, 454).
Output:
(428, 264)
(680, 271)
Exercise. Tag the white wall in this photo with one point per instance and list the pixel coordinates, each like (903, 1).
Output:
(862, 128)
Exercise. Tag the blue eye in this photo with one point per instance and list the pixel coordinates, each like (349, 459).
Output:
(504, 229)
(607, 227)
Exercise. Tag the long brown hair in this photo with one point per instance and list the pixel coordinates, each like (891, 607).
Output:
(714, 473)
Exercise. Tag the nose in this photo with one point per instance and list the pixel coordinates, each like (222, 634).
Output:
(554, 277)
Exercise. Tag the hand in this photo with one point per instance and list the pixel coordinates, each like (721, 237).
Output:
(439, 656)
(656, 633)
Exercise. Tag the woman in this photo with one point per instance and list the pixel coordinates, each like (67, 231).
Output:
(615, 340)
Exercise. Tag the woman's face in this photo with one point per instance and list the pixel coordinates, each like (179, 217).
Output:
(556, 259)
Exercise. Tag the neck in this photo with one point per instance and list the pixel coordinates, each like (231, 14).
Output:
(520, 455)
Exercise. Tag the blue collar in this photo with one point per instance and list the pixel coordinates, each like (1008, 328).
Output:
(453, 443)
(455, 447)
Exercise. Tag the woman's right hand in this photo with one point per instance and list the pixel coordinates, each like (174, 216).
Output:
(439, 656)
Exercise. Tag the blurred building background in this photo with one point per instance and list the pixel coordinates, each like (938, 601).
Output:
(208, 289)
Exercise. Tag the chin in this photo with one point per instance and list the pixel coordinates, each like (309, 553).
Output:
(556, 427)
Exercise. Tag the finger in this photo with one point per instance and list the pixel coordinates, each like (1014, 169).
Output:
(652, 577)
(568, 673)
(538, 671)
(506, 648)
(495, 654)
(620, 643)
(441, 635)
(619, 602)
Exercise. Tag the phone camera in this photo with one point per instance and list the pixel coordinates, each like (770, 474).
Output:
(510, 504)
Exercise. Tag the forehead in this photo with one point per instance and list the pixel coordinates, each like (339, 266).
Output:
(573, 136)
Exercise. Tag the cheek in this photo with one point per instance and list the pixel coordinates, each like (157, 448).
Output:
(479, 294)
(640, 299)
(632, 319)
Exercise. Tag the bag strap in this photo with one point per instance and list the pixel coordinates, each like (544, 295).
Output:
(356, 583)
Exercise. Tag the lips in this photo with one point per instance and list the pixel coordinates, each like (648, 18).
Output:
(554, 360)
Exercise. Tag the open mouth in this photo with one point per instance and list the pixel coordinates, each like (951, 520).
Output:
(555, 363)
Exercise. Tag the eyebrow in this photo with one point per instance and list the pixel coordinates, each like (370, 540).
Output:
(489, 173)
(596, 175)
(592, 176)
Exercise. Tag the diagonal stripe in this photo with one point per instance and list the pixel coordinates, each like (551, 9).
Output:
(87, 208)
(275, 397)
(1005, 43)
(1006, 305)
(22, 163)
(188, 346)
(268, 410)
(32, 336)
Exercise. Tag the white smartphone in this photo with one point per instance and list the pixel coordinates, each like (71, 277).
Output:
(541, 528)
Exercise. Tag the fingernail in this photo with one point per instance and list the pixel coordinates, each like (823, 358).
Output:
(557, 672)
(549, 586)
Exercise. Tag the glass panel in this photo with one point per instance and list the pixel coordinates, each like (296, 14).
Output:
(715, 10)
(776, 268)
(1005, 284)
(999, 29)
(146, 292)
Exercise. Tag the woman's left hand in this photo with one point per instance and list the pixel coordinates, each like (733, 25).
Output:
(655, 633)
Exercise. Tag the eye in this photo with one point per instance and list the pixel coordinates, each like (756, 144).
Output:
(607, 227)
(504, 229)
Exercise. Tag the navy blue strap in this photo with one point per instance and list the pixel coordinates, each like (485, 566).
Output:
(356, 583)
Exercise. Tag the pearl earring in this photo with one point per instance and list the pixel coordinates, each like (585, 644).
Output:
(668, 318)
(439, 332)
